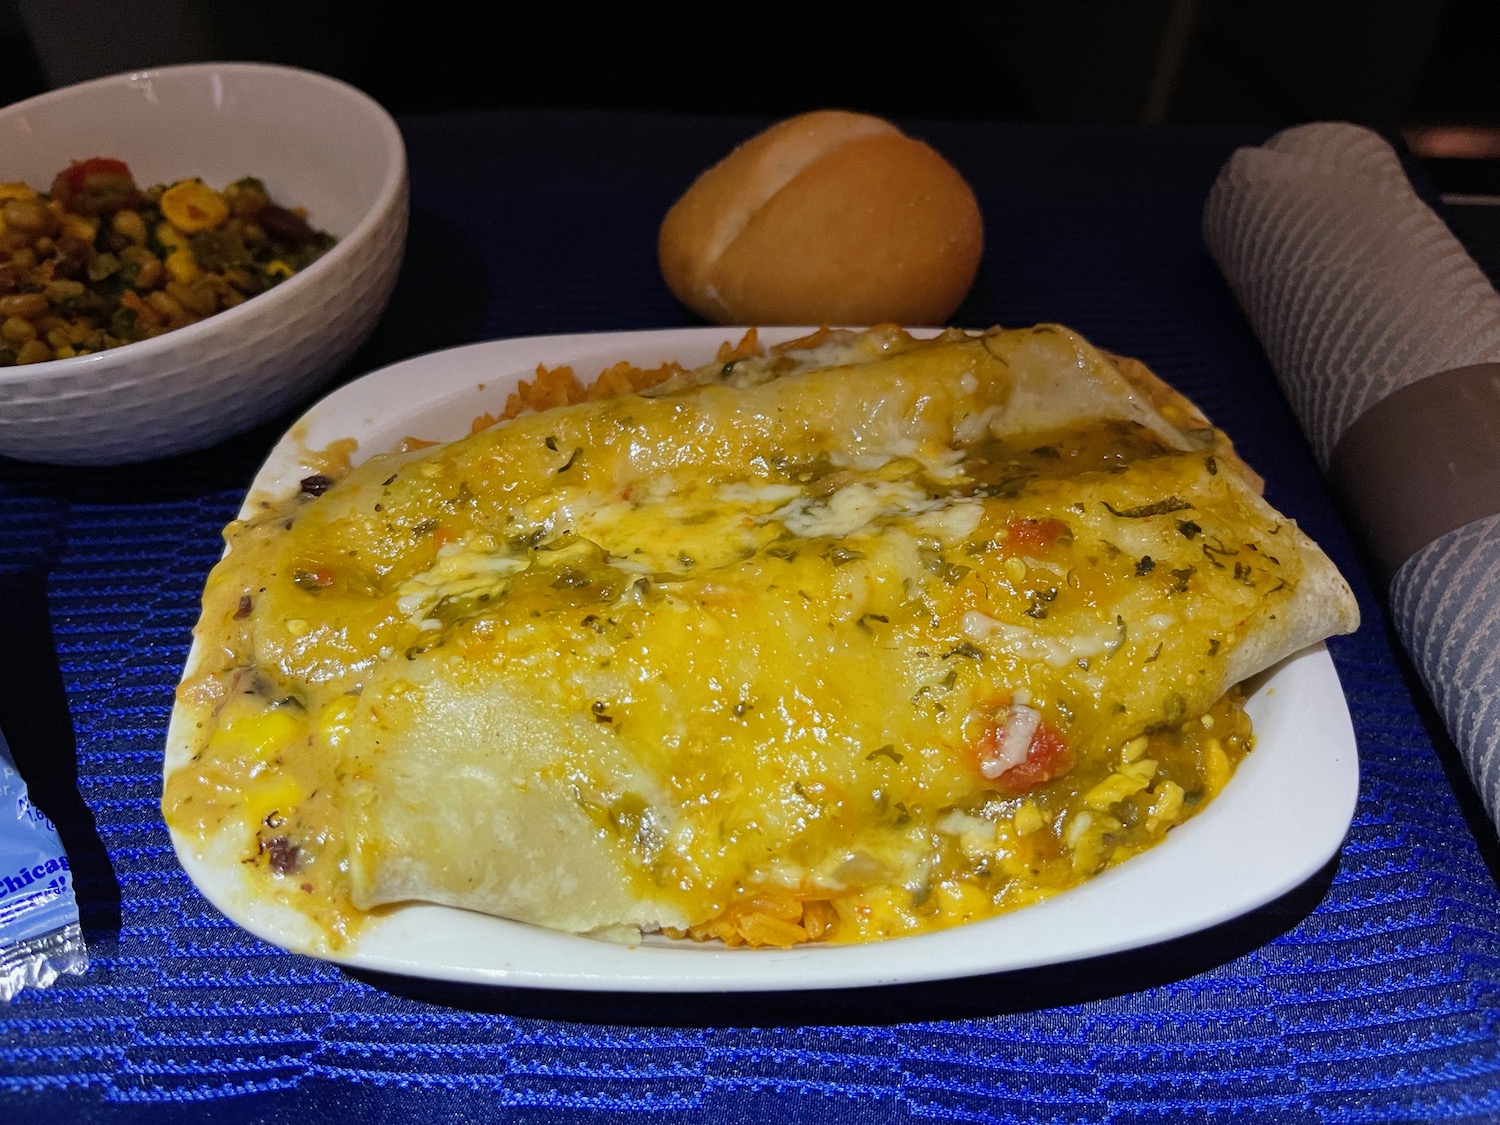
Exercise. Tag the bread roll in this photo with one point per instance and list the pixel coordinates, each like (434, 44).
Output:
(826, 218)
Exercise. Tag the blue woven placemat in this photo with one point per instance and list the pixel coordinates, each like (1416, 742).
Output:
(1372, 994)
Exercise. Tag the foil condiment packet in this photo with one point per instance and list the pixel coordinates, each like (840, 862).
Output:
(40, 936)
(1385, 336)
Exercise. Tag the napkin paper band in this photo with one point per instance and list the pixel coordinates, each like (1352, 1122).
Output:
(1422, 462)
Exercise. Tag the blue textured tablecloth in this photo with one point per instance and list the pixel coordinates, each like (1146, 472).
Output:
(1371, 994)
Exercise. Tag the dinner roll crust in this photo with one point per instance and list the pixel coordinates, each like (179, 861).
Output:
(830, 217)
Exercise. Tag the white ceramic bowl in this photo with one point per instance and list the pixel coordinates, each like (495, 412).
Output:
(316, 143)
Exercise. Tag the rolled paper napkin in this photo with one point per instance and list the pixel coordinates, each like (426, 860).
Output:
(1385, 336)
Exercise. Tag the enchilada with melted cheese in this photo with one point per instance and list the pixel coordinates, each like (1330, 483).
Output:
(862, 636)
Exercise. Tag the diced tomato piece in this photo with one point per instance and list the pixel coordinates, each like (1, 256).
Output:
(1047, 756)
(100, 185)
(78, 172)
(1029, 537)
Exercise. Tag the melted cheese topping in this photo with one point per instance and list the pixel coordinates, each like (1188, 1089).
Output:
(816, 652)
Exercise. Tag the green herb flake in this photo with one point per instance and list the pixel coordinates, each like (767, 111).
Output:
(310, 581)
(966, 650)
(1159, 508)
(838, 556)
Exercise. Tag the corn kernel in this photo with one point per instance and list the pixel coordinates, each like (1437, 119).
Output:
(166, 306)
(129, 224)
(27, 305)
(33, 351)
(192, 205)
(196, 297)
(1114, 788)
(17, 330)
(79, 226)
(170, 237)
(64, 289)
(32, 218)
(148, 272)
(182, 265)
(13, 190)
(962, 900)
(1215, 766)
(1087, 842)
(1028, 819)
(1167, 805)
(1076, 827)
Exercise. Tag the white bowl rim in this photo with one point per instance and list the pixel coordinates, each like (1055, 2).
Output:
(387, 197)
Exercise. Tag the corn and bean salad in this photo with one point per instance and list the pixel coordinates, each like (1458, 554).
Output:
(96, 261)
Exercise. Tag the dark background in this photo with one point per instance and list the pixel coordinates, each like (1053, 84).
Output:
(1251, 61)
(1427, 68)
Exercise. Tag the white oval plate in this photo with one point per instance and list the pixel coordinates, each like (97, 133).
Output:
(1279, 820)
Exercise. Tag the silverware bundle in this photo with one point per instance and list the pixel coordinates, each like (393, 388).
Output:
(1385, 336)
